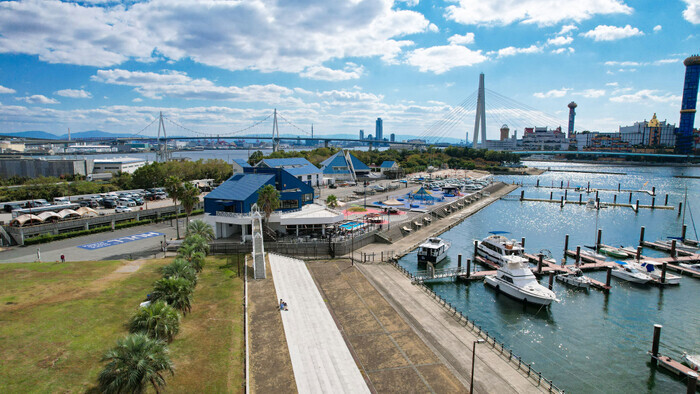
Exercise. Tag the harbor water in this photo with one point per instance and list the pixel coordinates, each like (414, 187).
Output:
(590, 341)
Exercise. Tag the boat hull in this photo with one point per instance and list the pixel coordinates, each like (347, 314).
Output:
(629, 278)
(516, 293)
(432, 259)
(573, 281)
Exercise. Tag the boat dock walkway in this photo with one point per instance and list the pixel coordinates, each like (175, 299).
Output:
(667, 248)
(422, 276)
(672, 365)
(562, 202)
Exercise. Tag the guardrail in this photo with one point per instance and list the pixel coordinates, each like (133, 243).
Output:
(504, 352)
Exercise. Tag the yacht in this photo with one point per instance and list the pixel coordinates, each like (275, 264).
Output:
(653, 269)
(694, 267)
(516, 279)
(496, 247)
(576, 279)
(626, 272)
(434, 250)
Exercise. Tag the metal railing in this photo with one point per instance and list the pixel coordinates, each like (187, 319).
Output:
(500, 347)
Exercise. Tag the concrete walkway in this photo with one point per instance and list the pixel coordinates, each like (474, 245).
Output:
(448, 338)
(321, 360)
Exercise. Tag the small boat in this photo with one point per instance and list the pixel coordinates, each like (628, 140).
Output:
(496, 247)
(592, 254)
(575, 279)
(591, 204)
(653, 269)
(679, 246)
(434, 250)
(692, 360)
(694, 267)
(626, 272)
(614, 252)
(515, 279)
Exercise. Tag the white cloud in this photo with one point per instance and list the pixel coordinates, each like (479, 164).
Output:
(692, 11)
(512, 51)
(38, 99)
(612, 33)
(647, 95)
(433, 28)
(591, 93)
(657, 28)
(4, 90)
(566, 29)
(665, 61)
(561, 40)
(611, 84)
(659, 62)
(440, 59)
(351, 71)
(554, 93)
(73, 93)
(257, 35)
(540, 12)
(563, 50)
(137, 100)
(462, 40)
(180, 85)
(622, 64)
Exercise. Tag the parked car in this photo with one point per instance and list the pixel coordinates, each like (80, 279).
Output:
(109, 203)
(138, 200)
(36, 204)
(89, 203)
(160, 196)
(11, 207)
(127, 202)
(121, 208)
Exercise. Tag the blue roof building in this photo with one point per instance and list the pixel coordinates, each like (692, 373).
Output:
(238, 193)
(297, 166)
(239, 165)
(343, 166)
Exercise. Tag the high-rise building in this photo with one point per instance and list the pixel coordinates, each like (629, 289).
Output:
(379, 130)
(684, 135)
(362, 134)
(392, 137)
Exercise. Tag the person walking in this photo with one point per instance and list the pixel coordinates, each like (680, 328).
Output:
(63, 258)
(38, 255)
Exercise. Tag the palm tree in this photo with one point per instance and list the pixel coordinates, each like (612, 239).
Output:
(332, 201)
(133, 363)
(175, 291)
(180, 268)
(268, 200)
(189, 197)
(199, 243)
(200, 227)
(173, 186)
(157, 320)
(193, 255)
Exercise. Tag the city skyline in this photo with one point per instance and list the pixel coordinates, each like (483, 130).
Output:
(221, 66)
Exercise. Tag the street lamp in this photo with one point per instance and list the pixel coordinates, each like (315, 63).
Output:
(471, 383)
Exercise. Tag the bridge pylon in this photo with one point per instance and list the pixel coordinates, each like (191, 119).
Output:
(275, 134)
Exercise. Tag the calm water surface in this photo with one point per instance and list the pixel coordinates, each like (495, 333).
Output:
(589, 342)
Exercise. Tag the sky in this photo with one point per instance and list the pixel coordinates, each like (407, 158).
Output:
(218, 66)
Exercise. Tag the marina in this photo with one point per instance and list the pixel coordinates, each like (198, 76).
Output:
(559, 337)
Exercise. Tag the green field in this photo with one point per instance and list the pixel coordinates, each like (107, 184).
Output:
(57, 320)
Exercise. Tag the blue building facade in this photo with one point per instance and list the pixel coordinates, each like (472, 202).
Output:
(379, 130)
(684, 135)
(238, 193)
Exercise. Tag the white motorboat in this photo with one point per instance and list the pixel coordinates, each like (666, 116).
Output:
(679, 246)
(434, 250)
(626, 272)
(496, 248)
(694, 267)
(517, 280)
(653, 269)
(693, 360)
(592, 254)
(591, 203)
(576, 279)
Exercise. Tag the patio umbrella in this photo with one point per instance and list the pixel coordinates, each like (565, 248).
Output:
(393, 203)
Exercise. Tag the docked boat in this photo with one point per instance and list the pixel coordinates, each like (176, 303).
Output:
(626, 272)
(591, 204)
(434, 250)
(496, 248)
(653, 269)
(576, 279)
(679, 246)
(694, 267)
(692, 360)
(614, 252)
(517, 280)
(592, 254)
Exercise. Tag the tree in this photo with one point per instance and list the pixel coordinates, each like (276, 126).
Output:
(255, 157)
(268, 200)
(158, 320)
(173, 186)
(180, 268)
(177, 292)
(202, 228)
(134, 362)
(189, 197)
(197, 242)
(332, 201)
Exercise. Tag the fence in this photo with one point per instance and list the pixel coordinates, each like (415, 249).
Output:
(500, 347)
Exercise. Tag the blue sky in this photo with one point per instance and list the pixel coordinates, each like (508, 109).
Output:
(217, 66)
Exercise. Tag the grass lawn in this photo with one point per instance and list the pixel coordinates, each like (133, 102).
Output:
(57, 320)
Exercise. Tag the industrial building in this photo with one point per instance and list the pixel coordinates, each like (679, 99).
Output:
(118, 164)
(652, 133)
(29, 167)
(542, 138)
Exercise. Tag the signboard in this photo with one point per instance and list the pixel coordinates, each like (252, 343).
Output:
(119, 241)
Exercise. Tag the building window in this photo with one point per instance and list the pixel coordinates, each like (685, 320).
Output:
(308, 197)
(289, 204)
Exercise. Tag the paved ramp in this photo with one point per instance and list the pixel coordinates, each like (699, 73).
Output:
(321, 360)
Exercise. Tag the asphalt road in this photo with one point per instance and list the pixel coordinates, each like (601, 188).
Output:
(142, 248)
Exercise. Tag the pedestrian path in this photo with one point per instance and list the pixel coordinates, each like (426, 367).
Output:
(321, 360)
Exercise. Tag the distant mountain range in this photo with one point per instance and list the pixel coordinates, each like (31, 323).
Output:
(104, 134)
